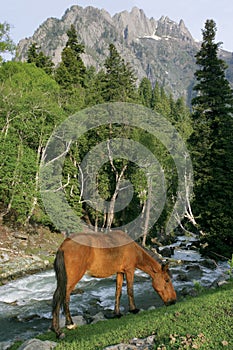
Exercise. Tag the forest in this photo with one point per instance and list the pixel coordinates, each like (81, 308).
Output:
(36, 97)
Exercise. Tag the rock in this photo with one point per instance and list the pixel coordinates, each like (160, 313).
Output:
(193, 272)
(182, 277)
(209, 263)
(98, 317)
(4, 257)
(221, 283)
(36, 344)
(151, 308)
(78, 320)
(166, 251)
(20, 235)
(77, 291)
(135, 344)
(6, 345)
(36, 258)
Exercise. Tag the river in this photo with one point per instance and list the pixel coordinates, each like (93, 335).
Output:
(25, 303)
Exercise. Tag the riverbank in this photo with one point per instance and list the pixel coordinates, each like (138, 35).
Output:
(26, 252)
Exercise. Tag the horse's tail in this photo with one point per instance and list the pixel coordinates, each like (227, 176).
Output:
(60, 270)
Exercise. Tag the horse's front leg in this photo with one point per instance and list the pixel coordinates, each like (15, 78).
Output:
(119, 282)
(130, 280)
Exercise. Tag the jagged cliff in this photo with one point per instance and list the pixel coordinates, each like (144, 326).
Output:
(161, 50)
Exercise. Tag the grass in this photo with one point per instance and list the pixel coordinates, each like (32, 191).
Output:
(202, 322)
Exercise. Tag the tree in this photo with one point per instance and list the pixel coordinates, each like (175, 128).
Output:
(29, 111)
(212, 146)
(39, 58)
(71, 71)
(6, 43)
(119, 81)
(71, 74)
(145, 92)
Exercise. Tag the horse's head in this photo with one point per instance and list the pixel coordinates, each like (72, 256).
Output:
(162, 283)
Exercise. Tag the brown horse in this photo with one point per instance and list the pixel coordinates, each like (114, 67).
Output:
(102, 255)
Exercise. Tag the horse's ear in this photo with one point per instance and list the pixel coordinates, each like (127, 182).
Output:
(165, 267)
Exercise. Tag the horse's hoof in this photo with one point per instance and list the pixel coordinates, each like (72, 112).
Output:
(61, 336)
(71, 326)
(134, 311)
(110, 315)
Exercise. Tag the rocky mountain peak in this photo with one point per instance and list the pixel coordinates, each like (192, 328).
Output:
(161, 50)
(169, 29)
(133, 24)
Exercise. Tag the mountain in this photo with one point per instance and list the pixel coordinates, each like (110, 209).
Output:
(161, 50)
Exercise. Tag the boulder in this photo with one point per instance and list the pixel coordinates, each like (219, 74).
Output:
(36, 344)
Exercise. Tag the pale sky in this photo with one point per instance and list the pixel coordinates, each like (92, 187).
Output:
(25, 16)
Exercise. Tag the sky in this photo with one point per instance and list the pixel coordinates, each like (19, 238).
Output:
(25, 16)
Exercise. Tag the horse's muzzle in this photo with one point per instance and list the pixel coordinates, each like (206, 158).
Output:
(170, 302)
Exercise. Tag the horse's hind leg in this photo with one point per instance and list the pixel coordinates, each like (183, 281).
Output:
(69, 322)
(70, 287)
(55, 314)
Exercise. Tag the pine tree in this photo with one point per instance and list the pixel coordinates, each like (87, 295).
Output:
(71, 72)
(119, 81)
(39, 58)
(155, 100)
(212, 146)
(145, 92)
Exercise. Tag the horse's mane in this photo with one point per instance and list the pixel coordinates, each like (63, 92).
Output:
(150, 252)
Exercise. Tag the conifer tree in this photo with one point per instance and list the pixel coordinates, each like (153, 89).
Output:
(212, 146)
(145, 92)
(71, 71)
(39, 58)
(119, 81)
(155, 99)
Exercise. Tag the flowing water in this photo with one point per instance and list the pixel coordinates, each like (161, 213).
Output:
(25, 304)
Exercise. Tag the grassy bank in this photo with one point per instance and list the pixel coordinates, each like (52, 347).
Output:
(202, 322)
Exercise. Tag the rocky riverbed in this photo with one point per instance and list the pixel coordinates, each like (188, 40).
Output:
(26, 252)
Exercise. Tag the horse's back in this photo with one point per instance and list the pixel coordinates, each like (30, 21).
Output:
(100, 254)
(111, 239)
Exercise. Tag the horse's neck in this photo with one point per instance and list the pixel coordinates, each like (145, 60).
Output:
(146, 263)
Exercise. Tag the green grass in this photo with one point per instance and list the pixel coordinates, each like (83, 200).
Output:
(202, 322)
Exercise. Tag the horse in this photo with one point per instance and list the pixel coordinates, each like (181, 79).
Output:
(102, 255)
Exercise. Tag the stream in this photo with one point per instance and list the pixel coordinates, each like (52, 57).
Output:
(25, 303)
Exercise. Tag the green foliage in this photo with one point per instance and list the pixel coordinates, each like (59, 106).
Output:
(230, 271)
(197, 286)
(145, 92)
(94, 87)
(119, 80)
(29, 110)
(39, 58)
(71, 71)
(6, 43)
(30, 105)
(71, 74)
(212, 147)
